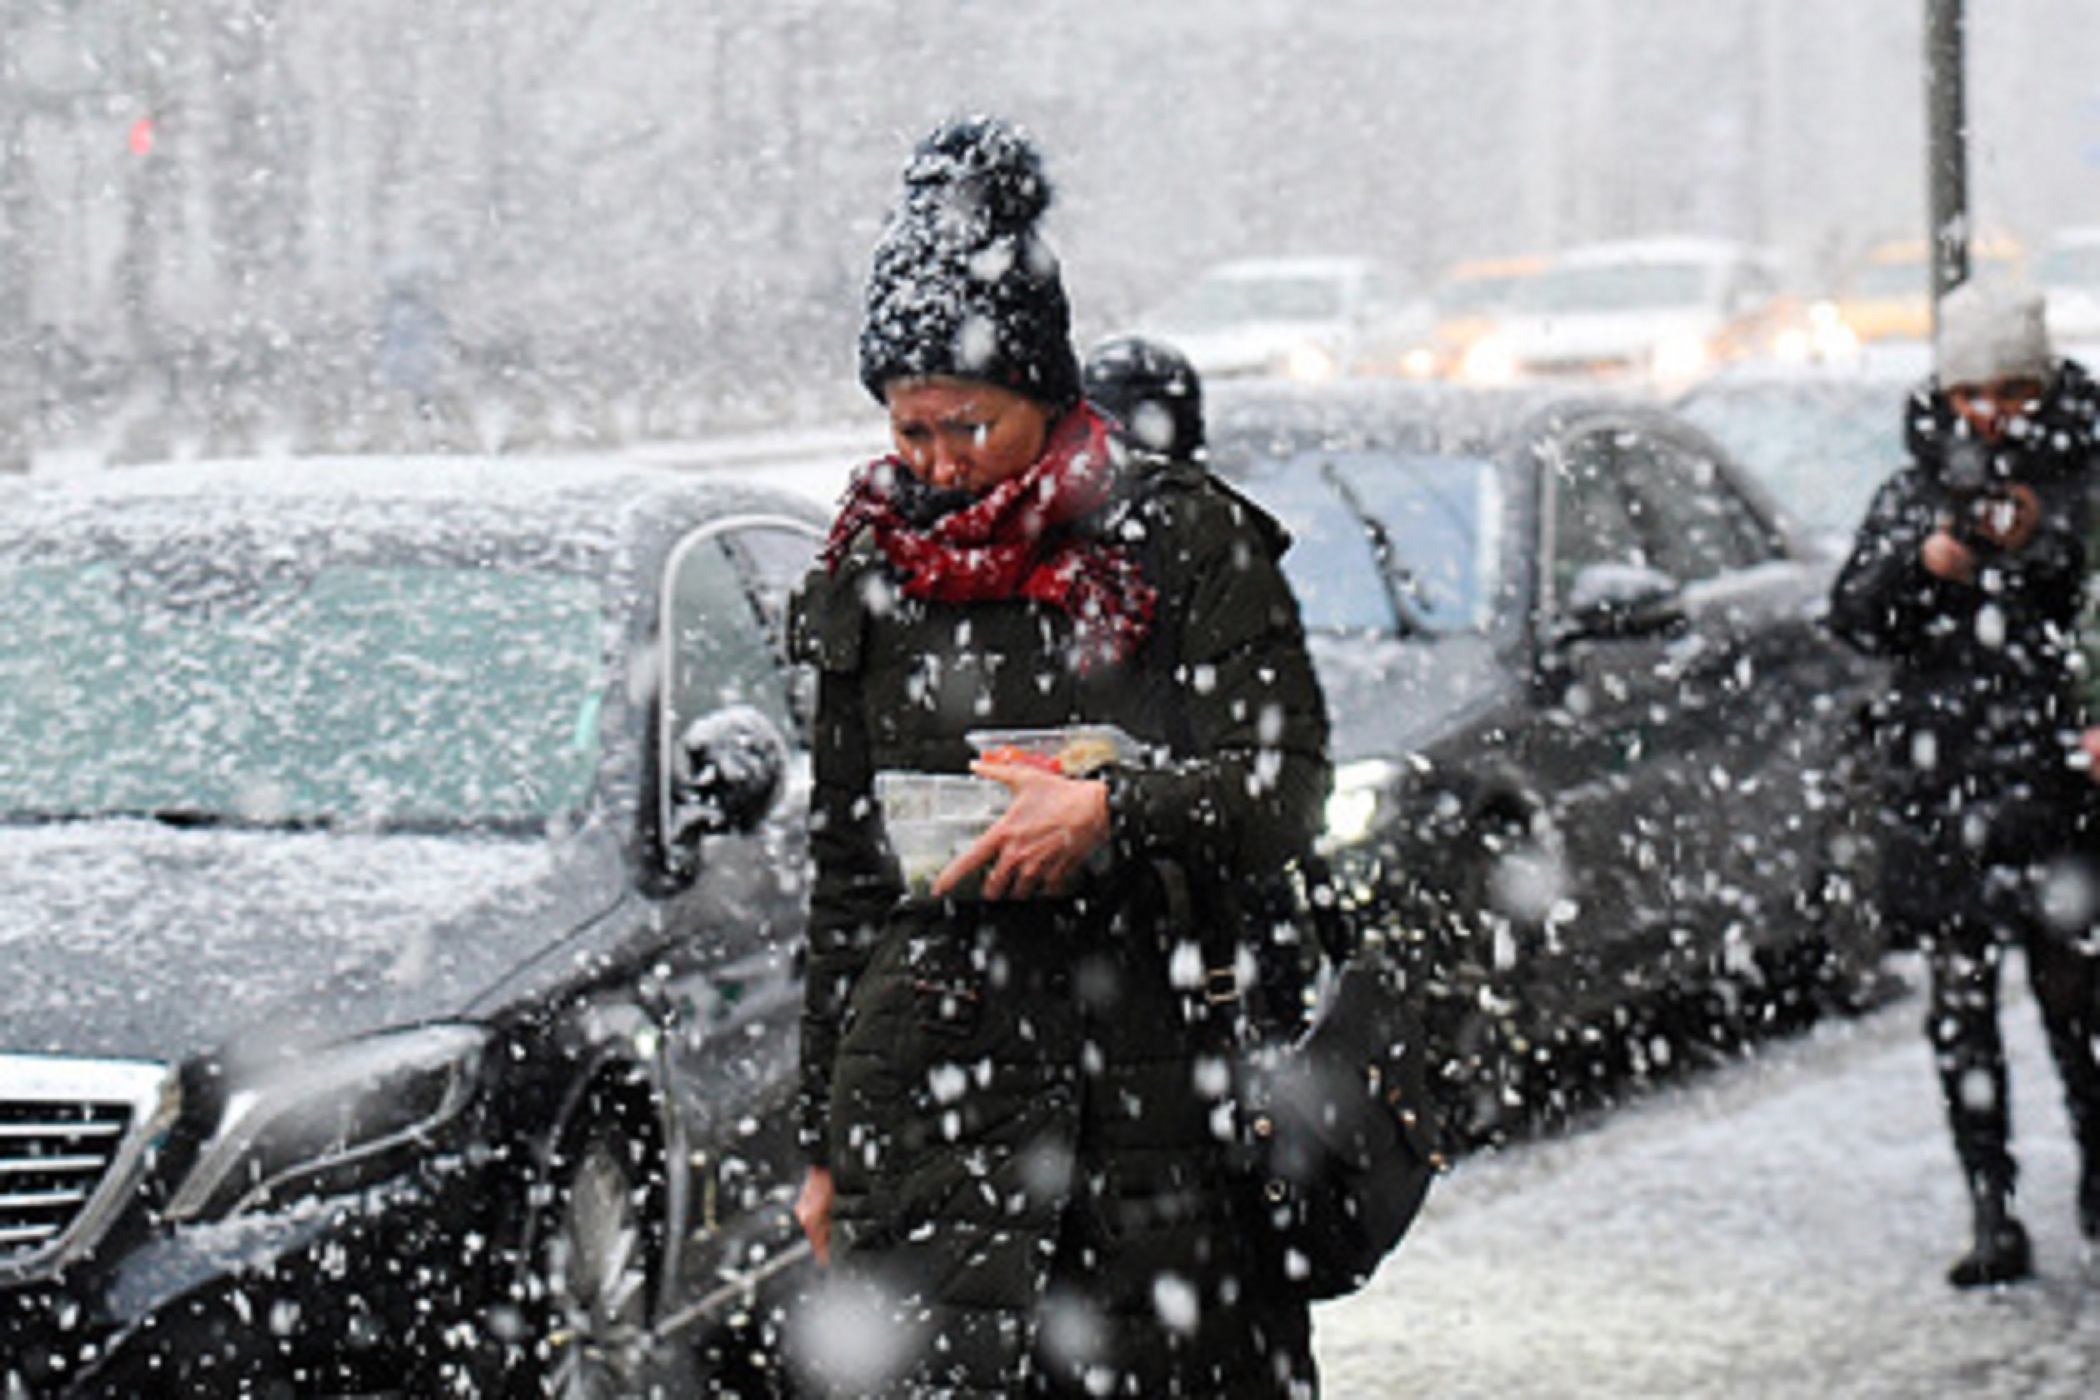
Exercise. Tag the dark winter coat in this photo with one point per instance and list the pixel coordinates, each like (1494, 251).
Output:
(1982, 709)
(1021, 1100)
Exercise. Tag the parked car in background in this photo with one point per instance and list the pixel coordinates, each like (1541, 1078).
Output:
(1304, 318)
(2069, 276)
(1593, 747)
(1467, 301)
(1820, 444)
(400, 874)
(1888, 294)
(1662, 311)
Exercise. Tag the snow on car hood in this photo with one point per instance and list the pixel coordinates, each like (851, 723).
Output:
(129, 938)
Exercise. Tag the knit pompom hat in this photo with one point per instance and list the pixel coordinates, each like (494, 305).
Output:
(962, 284)
(1989, 331)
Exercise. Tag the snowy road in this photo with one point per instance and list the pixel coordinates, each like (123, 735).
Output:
(1778, 1228)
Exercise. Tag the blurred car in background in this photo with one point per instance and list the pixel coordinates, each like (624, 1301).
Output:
(1820, 444)
(1303, 318)
(1467, 301)
(400, 877)
(1664, 311)
(1888, 295)
(2069, 276)
(1593, 748)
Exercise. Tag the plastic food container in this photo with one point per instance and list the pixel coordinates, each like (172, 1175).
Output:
(1075, 750)
(933, 817)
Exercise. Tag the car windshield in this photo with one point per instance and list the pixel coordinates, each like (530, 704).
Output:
(1229, 301)
(1617, 287)
(1820, 453)
(2074, 266)
(1892, 279)
(1472, 296)
(1436, 521)
(372, 694)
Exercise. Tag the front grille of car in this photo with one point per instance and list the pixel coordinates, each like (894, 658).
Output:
(71, 1135)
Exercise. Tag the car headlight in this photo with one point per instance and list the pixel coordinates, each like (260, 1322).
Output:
(316, 1120)
(1682, 357)
(1356, 799)
(1829, 337)
(1310, 364)
(1489, 360)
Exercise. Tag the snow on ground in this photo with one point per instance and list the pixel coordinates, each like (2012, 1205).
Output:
(1777, 1228)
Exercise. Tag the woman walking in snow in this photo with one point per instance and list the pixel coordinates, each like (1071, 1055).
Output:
(1015, 1094)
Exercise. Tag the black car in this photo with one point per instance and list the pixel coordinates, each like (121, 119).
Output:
(1594, 749)
(400, 877)
(1820, 444)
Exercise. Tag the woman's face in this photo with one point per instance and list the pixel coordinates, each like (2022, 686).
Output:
(957, 435)
(1991, 407)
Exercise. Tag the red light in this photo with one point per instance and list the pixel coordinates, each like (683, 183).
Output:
(141, 138)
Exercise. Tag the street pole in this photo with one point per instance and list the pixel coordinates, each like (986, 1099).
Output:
(1946, 150)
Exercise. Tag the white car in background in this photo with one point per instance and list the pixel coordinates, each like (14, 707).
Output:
(1664, 309)
(2069, 274)
(1306, 318)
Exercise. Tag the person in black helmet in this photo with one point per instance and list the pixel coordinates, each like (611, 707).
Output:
(1151, 391)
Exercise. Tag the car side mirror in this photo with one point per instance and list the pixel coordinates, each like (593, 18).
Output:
(727, 771)
(1621, 600)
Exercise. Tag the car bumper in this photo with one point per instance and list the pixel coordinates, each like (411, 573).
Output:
(322, 1295)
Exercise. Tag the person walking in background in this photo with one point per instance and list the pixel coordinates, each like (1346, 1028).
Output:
(1152, 392)
(1966, 575)
(1015, 1101)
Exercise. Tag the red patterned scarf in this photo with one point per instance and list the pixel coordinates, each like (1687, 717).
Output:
(1013, 541)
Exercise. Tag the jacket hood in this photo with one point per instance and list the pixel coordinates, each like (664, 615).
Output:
(136, 940)
(2059, 441)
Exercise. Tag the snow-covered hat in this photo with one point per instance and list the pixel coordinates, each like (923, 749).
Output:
(1989, 330)
(962, 284)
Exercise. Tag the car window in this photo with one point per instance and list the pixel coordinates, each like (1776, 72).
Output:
(775, 557)
(213, 689)
(1696, 523)
(720, 651)
(1385, 542)
(1820, 451)
(1593, 518)
(1440, 522)
(1614, 287)
(1331, 564)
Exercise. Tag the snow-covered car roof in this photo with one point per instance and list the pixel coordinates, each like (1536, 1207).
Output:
(514, 494)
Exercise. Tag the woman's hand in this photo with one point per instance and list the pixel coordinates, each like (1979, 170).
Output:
(1049, 829)
(813, 1211)
(1946, 557)
(2089, 743)
(2007, 519)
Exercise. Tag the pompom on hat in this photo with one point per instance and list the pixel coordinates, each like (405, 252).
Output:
(962, 284)
(1990, 331)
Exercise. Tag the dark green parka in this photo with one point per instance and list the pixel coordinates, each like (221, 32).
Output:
(1023, 1103)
